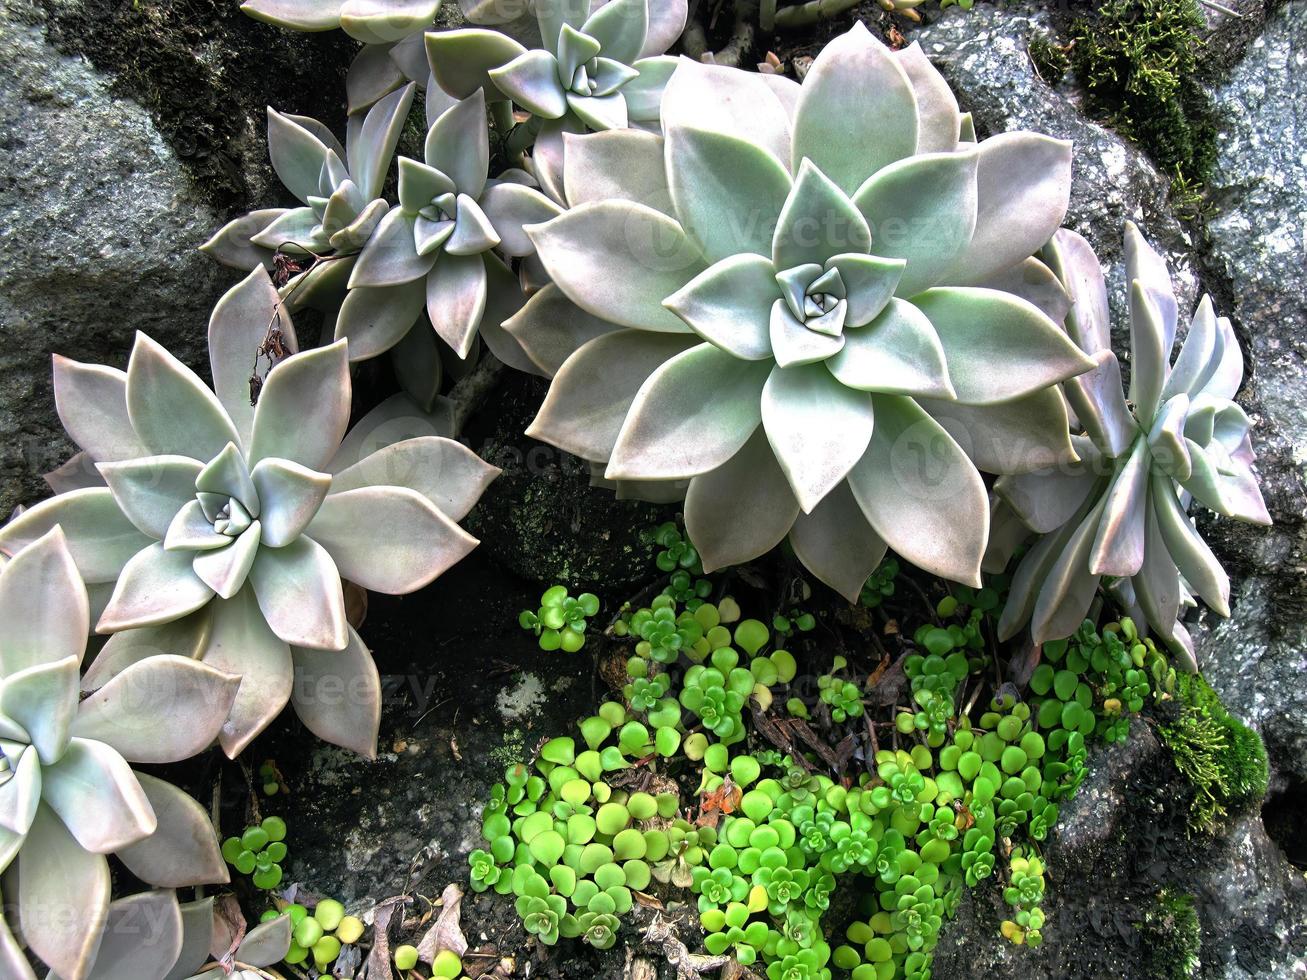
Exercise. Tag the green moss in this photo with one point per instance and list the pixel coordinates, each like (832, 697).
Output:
(1050, 59)
(1221, 757)
(1138, 62)
(1171, 937)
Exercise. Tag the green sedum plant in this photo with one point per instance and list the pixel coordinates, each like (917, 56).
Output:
(68, 794)
(258, 852)
(561, 619)
(1175, 437)
(225, 529)
(960, 789)
(793, 292)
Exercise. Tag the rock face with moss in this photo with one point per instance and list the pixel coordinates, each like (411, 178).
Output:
(985, 55)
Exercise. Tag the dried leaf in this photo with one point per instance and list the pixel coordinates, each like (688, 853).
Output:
(378, 964)
(809, 738)
(722, 801)
(890, 688)
(356, 604)
(447, 933)
(228, 929)
(647, 901)
(1023, 664)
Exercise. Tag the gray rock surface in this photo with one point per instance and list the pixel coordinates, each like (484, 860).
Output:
(1119, 844)
(98, 228)
(983, 54)
(1258, 236)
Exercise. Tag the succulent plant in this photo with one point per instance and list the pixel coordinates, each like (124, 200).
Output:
(391, 31)
(601, 66)
(339, 188)
(226, 528)
(797, 314)
(437, 251)
(372, 267)
(1176, 437)
(68, 794)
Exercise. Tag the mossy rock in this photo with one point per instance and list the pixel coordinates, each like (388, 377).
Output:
(1138, 62)
(1221, 757)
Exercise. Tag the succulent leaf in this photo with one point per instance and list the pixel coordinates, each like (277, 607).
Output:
(160, 709)
(619, 261)
(350, 722)
(299, 592)
(64, 877)
(742, 508)
(856, 84)
(1023, 186)
(241, 642)
(817, 428)
(836, 543)
(122, 955)
(92, 404)
(663, 438)
(728, 193)
(388, 539)
(155, 586)
(937, 517)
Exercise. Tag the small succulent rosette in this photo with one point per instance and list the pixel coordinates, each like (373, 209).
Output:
(68, 793)
(1177, 437)
(600, 66)
(436, 260)
(313, 248)
(223, 530)
(816, 306)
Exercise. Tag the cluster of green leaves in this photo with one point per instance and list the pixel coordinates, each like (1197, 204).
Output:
(561, 619)
(269, 778)
(258, 852)
(880, 584)
(570, 846)
(319, 935)
(1024, 893)
(1222, 758)
(785, 624)
(842, 696)
(447, 965)
(958, 794)
(1138, 62)
(675, 552)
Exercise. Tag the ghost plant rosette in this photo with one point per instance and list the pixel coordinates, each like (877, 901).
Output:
(1178, 437)
(437, 252)
(68, 794)
(601, 66)
(796, 298)
(226, 528)
(339, 188)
